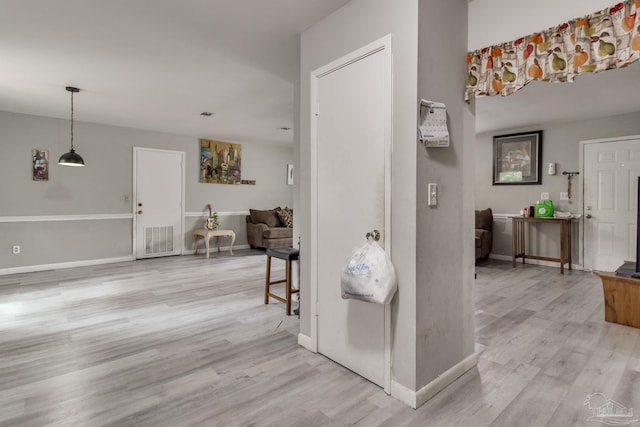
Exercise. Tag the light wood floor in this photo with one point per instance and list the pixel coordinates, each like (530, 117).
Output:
(187, 341)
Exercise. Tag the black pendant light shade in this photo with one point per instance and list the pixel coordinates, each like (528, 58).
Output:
(71, 158)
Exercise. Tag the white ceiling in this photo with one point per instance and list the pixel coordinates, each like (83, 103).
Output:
(590, 95)
(157, 64)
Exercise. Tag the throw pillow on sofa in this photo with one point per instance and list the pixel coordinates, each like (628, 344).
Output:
(270, 218)
(286, 217)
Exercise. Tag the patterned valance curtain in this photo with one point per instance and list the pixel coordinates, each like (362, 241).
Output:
(604, 40)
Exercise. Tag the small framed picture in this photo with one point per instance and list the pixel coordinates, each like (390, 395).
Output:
(40, 164)
(517, 158)
(289, 174)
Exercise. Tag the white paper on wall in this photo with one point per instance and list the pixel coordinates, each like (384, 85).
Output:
(433, 131)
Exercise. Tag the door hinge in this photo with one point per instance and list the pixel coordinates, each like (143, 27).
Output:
(317, 109)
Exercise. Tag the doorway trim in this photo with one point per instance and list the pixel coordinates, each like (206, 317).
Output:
(382, 44)
(134, 197)
(581, 243)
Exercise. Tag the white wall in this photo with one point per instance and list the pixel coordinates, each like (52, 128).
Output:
(100, 188)
(432, 314)
(497, 21)
(561, 142)
(444, 246)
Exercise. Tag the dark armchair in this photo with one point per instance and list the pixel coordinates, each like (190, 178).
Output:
(484, 233)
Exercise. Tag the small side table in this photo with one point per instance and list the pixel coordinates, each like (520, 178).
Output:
(208, 234)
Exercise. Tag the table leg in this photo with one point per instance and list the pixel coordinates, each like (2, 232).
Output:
(195, 243)
(218, 243)
(514, 239)
(569, 242)
(562, 246)
(233, 240)
(206, 244)
(523, 243)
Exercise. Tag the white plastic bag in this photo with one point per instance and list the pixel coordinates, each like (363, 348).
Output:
(369, 275)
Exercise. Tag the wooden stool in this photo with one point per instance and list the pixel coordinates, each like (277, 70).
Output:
(288, 255)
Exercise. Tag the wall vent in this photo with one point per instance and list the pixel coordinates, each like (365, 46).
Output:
(158, 240)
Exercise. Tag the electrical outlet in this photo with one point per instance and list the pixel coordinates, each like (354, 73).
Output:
(544, 195)
(127, 199)
(564, 195)
(16, 249)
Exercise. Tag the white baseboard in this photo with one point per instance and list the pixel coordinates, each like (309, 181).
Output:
(305, 341)
(57, 266)
(574, 266)
(415, 399)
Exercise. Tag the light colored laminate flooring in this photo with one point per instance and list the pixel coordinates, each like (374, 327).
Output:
(187, 341)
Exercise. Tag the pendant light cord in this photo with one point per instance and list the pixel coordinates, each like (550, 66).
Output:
(72, 121)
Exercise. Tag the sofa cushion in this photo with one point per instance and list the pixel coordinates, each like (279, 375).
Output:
(484, 219)
(266, 217)
(286, 217)
(277, 233)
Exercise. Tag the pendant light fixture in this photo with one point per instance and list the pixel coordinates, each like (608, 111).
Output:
(71, 158)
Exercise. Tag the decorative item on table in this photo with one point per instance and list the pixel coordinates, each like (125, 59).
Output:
(211, 223)
(544, 209)
(559, 214)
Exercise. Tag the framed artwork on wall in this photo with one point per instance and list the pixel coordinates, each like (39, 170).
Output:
(517, 158)
(220, 162)
(289, 174)
(40, 164)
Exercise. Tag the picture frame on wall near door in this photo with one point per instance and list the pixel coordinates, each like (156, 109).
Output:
(517, 158)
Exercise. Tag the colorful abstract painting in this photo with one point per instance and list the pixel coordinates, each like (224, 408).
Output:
(220, 162)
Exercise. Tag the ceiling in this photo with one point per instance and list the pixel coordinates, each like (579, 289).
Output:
(590, 95)
(157, 64)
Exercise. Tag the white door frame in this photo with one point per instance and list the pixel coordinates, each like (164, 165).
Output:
(134, 198)
(581, 184)
(382, 44)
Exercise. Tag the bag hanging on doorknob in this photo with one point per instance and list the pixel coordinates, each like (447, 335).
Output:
(369, 274)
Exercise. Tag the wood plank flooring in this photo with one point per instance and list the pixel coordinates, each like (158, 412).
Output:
(187, 341)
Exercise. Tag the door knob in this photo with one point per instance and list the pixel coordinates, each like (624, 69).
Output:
(139, 212)
(589, 216)
(140, 204)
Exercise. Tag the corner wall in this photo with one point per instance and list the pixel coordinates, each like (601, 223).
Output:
(444, 273)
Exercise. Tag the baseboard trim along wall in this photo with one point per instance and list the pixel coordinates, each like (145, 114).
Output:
(574, 266)
(58, 266)
(415, 399)
(305, 341)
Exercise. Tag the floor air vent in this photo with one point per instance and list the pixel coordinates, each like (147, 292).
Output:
(158, 240)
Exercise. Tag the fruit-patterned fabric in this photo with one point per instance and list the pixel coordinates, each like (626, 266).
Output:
(604, 40)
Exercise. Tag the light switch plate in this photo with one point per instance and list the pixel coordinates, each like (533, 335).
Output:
(544, 195)
(432, 195)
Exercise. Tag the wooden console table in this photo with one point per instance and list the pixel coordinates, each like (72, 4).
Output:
(621, 299)
(207, 234)
(518, 240)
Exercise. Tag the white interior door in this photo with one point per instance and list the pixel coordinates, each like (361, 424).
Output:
(352, 146)
(159, 202)
(611, 170)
